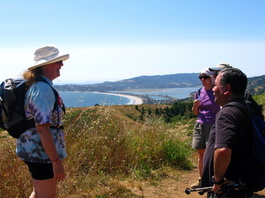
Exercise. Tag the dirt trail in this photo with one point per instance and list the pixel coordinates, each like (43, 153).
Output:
(173, 186)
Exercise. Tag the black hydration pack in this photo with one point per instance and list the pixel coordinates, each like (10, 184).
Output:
(12, 102)
(256, 173)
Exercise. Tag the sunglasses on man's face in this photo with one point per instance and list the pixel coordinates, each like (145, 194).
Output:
(204, 77)
(59, 62)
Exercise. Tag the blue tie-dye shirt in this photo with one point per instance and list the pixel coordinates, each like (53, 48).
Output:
(39, 104)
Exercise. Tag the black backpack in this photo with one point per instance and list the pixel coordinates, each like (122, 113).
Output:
(12, 112)
(255, 171)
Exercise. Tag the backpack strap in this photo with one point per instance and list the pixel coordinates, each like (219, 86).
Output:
(58, 101)
(56, 94)
(198, 93)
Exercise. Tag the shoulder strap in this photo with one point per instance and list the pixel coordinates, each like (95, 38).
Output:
(198, 93)
(55, 94)
(57, 98)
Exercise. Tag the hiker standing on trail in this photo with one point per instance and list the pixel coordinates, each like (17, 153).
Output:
(43, 147)
(206, 109)
(228, 150)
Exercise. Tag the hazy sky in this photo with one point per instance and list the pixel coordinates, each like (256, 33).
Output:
(110, 40)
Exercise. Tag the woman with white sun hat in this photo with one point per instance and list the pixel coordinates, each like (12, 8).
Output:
(42, 146)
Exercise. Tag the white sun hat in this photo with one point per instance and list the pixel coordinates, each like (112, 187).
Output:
(208, 72)
(47, 55)
(220, 66)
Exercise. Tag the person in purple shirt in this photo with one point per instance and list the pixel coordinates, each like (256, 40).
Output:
(206, 109)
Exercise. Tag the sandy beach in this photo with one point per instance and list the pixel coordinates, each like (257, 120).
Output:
(133, 99)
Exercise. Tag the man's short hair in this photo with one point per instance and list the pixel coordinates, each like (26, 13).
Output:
(235, 78)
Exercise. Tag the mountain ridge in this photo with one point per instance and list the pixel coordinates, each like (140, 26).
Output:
(256, 85)
(141, 82)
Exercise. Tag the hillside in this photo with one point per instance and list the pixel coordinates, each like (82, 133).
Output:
(121, 151)
(141, 82)
(256, 84)
(107, 146)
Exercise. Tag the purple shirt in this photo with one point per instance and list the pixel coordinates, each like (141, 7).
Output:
(207, 107)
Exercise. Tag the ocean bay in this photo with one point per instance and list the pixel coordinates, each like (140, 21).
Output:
(86, 99)
(178, 93)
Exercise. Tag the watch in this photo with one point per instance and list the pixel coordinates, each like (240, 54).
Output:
(218, 182)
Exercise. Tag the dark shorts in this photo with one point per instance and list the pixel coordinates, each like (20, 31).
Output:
(201, 135)
(40, 171)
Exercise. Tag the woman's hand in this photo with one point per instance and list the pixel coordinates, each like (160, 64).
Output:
(58, 170)
(195, 107)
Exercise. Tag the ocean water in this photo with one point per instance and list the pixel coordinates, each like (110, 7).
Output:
(86, 99)
(179, 93)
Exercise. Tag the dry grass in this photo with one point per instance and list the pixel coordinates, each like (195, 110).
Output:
(107, 146)
(13, 172)
(112, 152)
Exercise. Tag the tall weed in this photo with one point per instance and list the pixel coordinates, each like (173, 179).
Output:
(14, 176)
(103, 147)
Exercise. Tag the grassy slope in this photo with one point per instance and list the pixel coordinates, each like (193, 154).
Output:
(112, 150)
(106, 145)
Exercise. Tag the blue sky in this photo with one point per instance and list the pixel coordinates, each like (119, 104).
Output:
(110, 40)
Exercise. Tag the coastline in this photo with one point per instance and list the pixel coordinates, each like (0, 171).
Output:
(133, 99)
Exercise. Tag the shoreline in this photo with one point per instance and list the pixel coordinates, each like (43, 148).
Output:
(134, 100)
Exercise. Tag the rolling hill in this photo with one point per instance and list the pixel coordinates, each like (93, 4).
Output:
(256, 84)
(141, 82)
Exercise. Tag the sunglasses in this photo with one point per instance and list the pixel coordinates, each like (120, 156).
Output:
(204, 77)
(59, 62)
